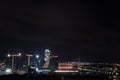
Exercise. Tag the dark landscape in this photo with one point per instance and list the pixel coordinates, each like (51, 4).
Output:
(52, 77)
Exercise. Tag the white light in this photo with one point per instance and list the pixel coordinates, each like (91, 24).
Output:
(8, 55)
(37, 56)
(19, 54)
(8, 70)
(45, 59)
(66, 71)
(37, 69)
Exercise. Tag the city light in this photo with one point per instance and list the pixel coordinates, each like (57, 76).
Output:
(52, 64)
(8, 55)
(66, 70)
(8, 70)
(37, 69)
(19, 54)
(37, 56)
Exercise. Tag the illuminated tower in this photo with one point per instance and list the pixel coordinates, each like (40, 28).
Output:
(46, 58)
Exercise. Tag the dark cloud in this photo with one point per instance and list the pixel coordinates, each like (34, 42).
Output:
(89, 30)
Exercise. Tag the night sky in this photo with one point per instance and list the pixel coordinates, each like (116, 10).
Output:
(89, 30)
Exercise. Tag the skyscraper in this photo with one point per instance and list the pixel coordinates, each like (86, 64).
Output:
(46, 58)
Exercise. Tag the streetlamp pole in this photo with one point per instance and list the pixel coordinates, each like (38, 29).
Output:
(29, 56)
(28, 60)
(13, 59)
(13, 62)
(37, 56)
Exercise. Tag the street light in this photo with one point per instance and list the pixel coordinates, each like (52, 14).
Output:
(8, 55)
(38, 61)
(37, 56)
(19, 54)
(13, 57)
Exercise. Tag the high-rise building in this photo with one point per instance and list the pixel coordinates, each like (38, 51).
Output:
(46, 58)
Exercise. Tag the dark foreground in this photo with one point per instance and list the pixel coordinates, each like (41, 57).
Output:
(52, 77)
